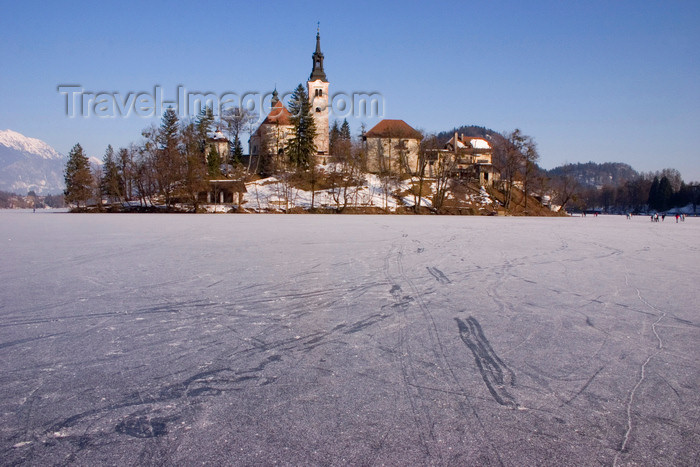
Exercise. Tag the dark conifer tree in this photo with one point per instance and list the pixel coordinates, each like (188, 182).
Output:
(301, 147)
(78, 177)
(345, 130)
(168, 163)
(167, 137)
(111, 178)
(653, 199)
(214, 163)
(204, 122)
(236, 151)
(333, 137)
(665, 194)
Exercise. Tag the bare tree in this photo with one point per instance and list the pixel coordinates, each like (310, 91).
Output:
(345, 176)
(443, 167)
(428, 148)
(144, 176)
(515, 154)
(236, 121)
(194, 177)
(566, 188)
(530, 170)
(443, 170)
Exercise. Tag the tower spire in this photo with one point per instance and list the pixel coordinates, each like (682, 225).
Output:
(317, 70)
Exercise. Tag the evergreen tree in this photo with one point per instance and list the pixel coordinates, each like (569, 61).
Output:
(653, 199)
(301, 147)
(214, 164)
(78, 177)
(167, 161)
(345, 130)
(126, 172)
(167, 137)
(111, 178)
(203, 125)
(334, 137)
(236, 151)
(665, 194)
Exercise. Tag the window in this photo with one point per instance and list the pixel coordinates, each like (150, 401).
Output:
(319, 93)
(318, 109)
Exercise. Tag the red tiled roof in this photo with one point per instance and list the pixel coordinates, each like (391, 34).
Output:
(278, 115)
(393, 129)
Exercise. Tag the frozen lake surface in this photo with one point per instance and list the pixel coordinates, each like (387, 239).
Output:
(363, 340)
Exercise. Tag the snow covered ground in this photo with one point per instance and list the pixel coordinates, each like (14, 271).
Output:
(273, 194)
(403, 340)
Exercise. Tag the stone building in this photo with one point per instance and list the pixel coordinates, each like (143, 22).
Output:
(219, 141)
(472, 159)
(392, 146)
(223, 192)
(269, 140)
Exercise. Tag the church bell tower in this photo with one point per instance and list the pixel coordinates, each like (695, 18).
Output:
(318, 97)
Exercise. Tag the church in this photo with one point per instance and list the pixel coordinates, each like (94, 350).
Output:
(390, 146)
(270, 138)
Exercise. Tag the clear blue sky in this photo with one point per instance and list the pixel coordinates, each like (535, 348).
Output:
(589, 80)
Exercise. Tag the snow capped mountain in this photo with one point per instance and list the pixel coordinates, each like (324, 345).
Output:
(13, 140)
(29, 164)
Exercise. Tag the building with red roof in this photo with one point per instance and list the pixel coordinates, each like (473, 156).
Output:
(392, 146)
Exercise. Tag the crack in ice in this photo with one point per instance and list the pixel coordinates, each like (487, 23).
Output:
(642, 375)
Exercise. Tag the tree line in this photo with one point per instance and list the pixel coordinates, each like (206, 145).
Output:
(175, 161)
(632, 193)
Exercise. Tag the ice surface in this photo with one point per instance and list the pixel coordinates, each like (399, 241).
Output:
(309, 339)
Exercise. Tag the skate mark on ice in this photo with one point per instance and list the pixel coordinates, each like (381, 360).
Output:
(148, 414)
(584, 387)
(642, 373)
(419, 246)
(422, 416)
(494, 372)
(438, 275)
(27, 340)
(366, 322)
(143, 427)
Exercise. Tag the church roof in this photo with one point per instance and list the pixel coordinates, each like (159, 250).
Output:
(279, 115)
(393, 129)
(317, 57)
